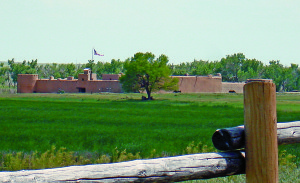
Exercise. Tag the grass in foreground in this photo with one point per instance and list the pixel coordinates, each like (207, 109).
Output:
(94, 123)
(102, 128)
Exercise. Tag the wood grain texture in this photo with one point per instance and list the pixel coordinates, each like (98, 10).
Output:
(261, 132)
(234, 138)
(288, 133)
(171, 169)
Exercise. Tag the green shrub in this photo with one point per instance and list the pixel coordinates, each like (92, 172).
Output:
(199, 148)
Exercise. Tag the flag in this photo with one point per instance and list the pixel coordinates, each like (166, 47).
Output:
(96, 53)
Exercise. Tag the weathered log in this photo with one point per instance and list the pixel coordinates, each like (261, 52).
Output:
(229, 138)
(234, 138)
(170, 169)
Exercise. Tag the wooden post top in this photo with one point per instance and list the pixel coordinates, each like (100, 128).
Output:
(259, 80)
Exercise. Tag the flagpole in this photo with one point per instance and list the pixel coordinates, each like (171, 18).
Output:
(92, 54)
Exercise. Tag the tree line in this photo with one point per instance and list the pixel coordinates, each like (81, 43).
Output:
(9, 73)
(234, 68)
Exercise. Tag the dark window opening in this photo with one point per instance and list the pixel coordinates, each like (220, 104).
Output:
(81, 90)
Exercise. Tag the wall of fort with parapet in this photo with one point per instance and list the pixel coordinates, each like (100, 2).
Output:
(55, 85)
(228, 87)
(88, 83)
(200, 84)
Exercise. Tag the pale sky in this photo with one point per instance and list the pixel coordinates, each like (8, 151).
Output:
(66, 31)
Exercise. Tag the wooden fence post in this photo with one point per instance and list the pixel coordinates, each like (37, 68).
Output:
(261, 131)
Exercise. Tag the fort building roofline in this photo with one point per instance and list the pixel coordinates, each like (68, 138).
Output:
(87, 82)
(218, 75)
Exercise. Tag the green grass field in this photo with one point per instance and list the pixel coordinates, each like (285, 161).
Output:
(96, 123)
(99, 123)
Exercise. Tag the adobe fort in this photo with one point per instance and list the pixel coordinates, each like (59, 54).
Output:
(87, 82)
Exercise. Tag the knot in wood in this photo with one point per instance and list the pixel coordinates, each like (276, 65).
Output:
(142, 173)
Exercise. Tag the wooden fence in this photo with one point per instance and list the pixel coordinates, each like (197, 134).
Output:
(259, 138)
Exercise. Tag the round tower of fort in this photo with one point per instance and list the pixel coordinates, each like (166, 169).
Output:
(26, 83)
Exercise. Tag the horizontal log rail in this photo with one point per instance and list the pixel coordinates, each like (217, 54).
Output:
(170, 169)
(234, 138)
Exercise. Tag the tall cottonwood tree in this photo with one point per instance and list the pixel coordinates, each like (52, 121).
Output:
(144, 72)
(25, 67)
(232, 65)
(4, 74)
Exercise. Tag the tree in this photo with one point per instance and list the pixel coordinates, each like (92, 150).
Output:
(4, 74)
(292, 76)
(116, 66)
(21, 68)
(231, 66)
(144, 72)
(202, 68)
(91, 64)
(250, 69)
(276, 72)
(181, 69)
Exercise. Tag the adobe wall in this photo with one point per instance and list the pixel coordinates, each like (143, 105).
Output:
(93, 76)
(199, 84)
(27, 83)
(113, 86)
(236, 87)
(53, 86)
(111, 76)
(72, 86)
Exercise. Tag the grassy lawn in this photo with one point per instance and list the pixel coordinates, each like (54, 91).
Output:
(99, 123)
